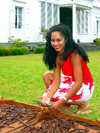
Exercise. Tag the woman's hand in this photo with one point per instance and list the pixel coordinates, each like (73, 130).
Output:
(45, 99)
(56, 106)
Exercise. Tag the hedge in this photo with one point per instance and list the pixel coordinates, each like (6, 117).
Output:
(14, 51)
(39, 49)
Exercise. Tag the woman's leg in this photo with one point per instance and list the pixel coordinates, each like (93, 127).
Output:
(82, 106)
(47, 77)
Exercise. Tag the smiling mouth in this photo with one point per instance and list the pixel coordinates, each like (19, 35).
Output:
(57, 48)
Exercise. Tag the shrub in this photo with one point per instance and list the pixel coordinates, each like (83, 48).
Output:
(6, 51)
(97, 41)
(2, 52)
(14, 51)
(43, 32)
(11, 51)
(15, 42)
(39, 49)
(2, 46)
(24, 50)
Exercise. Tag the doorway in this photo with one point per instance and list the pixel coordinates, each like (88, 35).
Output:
(66, 17)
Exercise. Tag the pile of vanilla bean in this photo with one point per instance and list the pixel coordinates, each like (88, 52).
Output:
(54, 124)
(49, 124)
(13, 113)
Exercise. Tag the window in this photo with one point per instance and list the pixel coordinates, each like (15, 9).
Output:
(49, 14)
(82, 21)
(18, 18)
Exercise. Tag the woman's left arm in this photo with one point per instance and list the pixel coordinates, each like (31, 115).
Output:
(77, 69)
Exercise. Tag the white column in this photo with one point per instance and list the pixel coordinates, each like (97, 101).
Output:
(58, 14)
(52, 14)
(74, 26)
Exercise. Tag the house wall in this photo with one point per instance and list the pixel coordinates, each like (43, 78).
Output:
(4, 20)
(96, 3)
(50, 1)
(31, 20)
(35, 20)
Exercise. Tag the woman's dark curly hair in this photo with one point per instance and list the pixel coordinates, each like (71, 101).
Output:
(50, 54)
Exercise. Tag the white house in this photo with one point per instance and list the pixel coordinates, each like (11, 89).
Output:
(23, 18)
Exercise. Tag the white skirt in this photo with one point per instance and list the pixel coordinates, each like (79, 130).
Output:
(84, 94)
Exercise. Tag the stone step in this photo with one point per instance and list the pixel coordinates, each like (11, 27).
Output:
(90, 46)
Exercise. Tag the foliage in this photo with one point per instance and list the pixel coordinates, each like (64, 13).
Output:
(39, 49)
(40, 45)
(14, 51)
(15, 42)
(43, 32)
(97, 41)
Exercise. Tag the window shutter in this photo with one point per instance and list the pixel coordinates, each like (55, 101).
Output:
(86, 22)
(43, 14)
(12, 16)
(82, 20)
(12, 21)
(27, 24)
(49, 15)
(95, 27)
(55, 14)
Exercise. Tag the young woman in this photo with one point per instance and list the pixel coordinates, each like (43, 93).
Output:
(62, 53)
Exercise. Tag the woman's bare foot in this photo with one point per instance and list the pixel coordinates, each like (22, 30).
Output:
(82, 108)
(64, 108)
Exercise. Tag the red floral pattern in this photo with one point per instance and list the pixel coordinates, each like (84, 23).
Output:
(84, 94)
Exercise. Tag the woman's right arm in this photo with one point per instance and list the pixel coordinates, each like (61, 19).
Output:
(56, 81)
(54, 86)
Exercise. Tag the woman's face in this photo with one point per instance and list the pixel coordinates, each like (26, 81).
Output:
(58, 41)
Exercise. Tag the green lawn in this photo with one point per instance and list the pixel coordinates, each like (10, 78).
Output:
(21, 79)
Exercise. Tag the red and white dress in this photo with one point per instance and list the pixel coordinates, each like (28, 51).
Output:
(67, 82)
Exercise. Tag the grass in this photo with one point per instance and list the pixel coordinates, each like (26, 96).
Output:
(21, 79)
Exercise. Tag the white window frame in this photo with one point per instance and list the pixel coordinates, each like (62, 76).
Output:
(82, 21)
(18, 18)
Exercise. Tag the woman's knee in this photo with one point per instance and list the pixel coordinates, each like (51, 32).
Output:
(47, 76)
